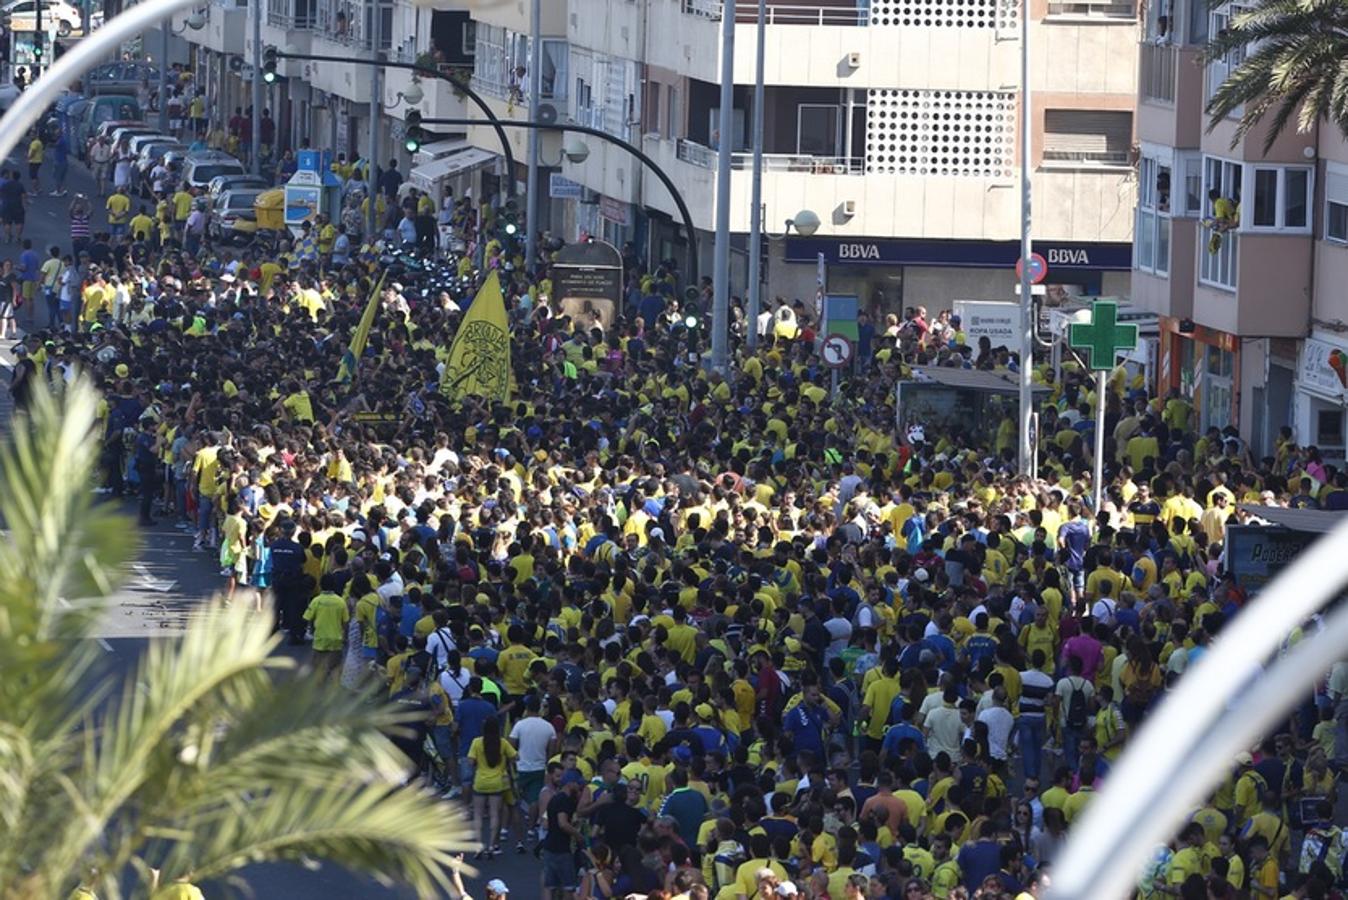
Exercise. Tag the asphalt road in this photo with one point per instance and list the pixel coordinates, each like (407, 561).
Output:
(169, 584)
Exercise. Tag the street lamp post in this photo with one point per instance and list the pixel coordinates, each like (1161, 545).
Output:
(255, 148)
(756, 200)
(576, 155)
(531, 197)
(725, 145)
(1027, 443)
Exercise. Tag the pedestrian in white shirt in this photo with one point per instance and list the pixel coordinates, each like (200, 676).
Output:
(999, 721)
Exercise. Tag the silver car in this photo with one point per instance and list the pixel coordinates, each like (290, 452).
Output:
(228, 209)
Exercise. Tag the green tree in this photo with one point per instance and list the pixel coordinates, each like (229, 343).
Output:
(1295, 66)
(211, 757)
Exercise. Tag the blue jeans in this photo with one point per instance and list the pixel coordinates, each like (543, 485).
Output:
(1071, 745)
(1033, 732)
(205, 507)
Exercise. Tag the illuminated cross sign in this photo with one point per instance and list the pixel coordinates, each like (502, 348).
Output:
(1102, 337)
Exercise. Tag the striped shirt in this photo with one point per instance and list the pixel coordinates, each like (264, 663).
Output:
(1035, 688)
(79, 227)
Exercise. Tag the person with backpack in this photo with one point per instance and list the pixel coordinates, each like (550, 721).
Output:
(1072, 697)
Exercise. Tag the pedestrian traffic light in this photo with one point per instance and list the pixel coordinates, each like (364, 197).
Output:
(269, 65)
(414, 135)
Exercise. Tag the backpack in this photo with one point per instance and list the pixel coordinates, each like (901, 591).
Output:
(1076, 706)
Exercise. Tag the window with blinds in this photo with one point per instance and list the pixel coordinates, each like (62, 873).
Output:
(1088, 137)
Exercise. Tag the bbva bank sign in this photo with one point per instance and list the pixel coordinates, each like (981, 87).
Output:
(968, 254)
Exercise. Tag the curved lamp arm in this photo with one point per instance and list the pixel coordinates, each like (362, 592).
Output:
(1219, 708)
(86, 54)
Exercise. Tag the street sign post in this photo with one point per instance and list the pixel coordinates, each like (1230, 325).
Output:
(1101, 339)
(1038, 268)
(837, 350)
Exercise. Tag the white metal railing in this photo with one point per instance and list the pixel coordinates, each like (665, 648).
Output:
(705, 157)
(776, 14)
(1107, 158)
(351, 22)
(290, 14)
(1093, 9)
(1156, 71)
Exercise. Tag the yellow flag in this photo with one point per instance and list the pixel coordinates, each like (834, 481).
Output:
(479, 358)
(351, 358)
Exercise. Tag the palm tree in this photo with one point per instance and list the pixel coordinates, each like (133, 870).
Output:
(1296, 65)
(209, 758)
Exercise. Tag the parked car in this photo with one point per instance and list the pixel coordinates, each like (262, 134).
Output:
(23, 16)
(120, 77)
(200, 168)
(221, 184)
(150, 156)
(229, 208)
(135, 142)
(117, 108)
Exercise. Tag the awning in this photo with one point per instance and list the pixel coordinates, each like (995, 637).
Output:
(971, 379)
(428, 176)
(439, 150)
(1315, 521)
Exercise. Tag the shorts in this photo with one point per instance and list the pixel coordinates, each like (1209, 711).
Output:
(559, 871)
(29, 290)
(530, 785)
(6, 309)
(12, 215)
(33, 170)
(467, 770)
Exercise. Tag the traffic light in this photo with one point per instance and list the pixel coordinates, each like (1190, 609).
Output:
(269, 65)
(37, 49)
(414, 133)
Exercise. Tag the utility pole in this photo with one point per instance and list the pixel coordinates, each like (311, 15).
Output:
(756, 201)
(37, 42)
(164, 27)
(376, 106)
(720, 309)
(1027, 442)
(256, 145)
(535, 137)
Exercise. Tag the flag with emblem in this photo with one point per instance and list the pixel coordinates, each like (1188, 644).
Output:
(351, 358)
(479, 358)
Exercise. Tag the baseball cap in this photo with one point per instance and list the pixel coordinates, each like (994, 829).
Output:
(787, 889)
(1244, 759)
(572, 776)
(497, 886)
(921, 575)
(358, 535)
(704, 711)
(122, 370)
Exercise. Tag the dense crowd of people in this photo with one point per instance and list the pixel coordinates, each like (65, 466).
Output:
(696, 634)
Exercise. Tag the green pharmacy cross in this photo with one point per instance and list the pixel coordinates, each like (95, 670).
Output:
(1103, 337)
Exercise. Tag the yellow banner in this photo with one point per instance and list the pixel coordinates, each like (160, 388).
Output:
(351, 358)
(479, 358)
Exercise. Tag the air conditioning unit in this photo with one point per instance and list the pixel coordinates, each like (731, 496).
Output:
(547, 114)
(854, 59)
(849, 208)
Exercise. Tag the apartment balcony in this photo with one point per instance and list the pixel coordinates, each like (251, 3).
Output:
(1253, 283)
(848, 199)
(224, 28)
(961, 44)
(1170, 95)
(1165, 262)
(441, 100)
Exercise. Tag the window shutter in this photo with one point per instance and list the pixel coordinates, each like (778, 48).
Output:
(1078, 135)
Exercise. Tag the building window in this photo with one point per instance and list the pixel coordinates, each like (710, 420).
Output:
(1083, 137)
(1091, 9)
(468, 38)
(673, 122)
(1281, 198)
(1221, 219)
(553, 77)
(1329, 428)
(1220, 69)
(1152, 240)
(653, 120)
(817, 127)
(1190, 167)
(1336, 203)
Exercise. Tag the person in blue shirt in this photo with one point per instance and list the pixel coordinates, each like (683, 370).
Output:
(471, 713)
(904, 729)
(806, 721)
(1075, 537)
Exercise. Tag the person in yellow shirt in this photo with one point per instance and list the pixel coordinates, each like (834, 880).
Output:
(182, 206)
(37, 151)
(119, 211)
(142, 226)
(328, 614)
(514, 661)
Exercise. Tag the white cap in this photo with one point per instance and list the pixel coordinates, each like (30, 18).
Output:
(358, 535)
(658, 534)
(497, 886)
(787, 889)
(921, 575)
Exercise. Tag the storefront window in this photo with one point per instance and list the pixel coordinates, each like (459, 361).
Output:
(1329, 429)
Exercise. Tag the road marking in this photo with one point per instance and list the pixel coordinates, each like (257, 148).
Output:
(107, 648)
(148, 582)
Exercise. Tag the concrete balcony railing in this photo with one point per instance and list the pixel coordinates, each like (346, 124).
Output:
(823, 13)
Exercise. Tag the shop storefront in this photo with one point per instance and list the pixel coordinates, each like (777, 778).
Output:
(890, 274)
(1204, 365)
(1319, 417)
